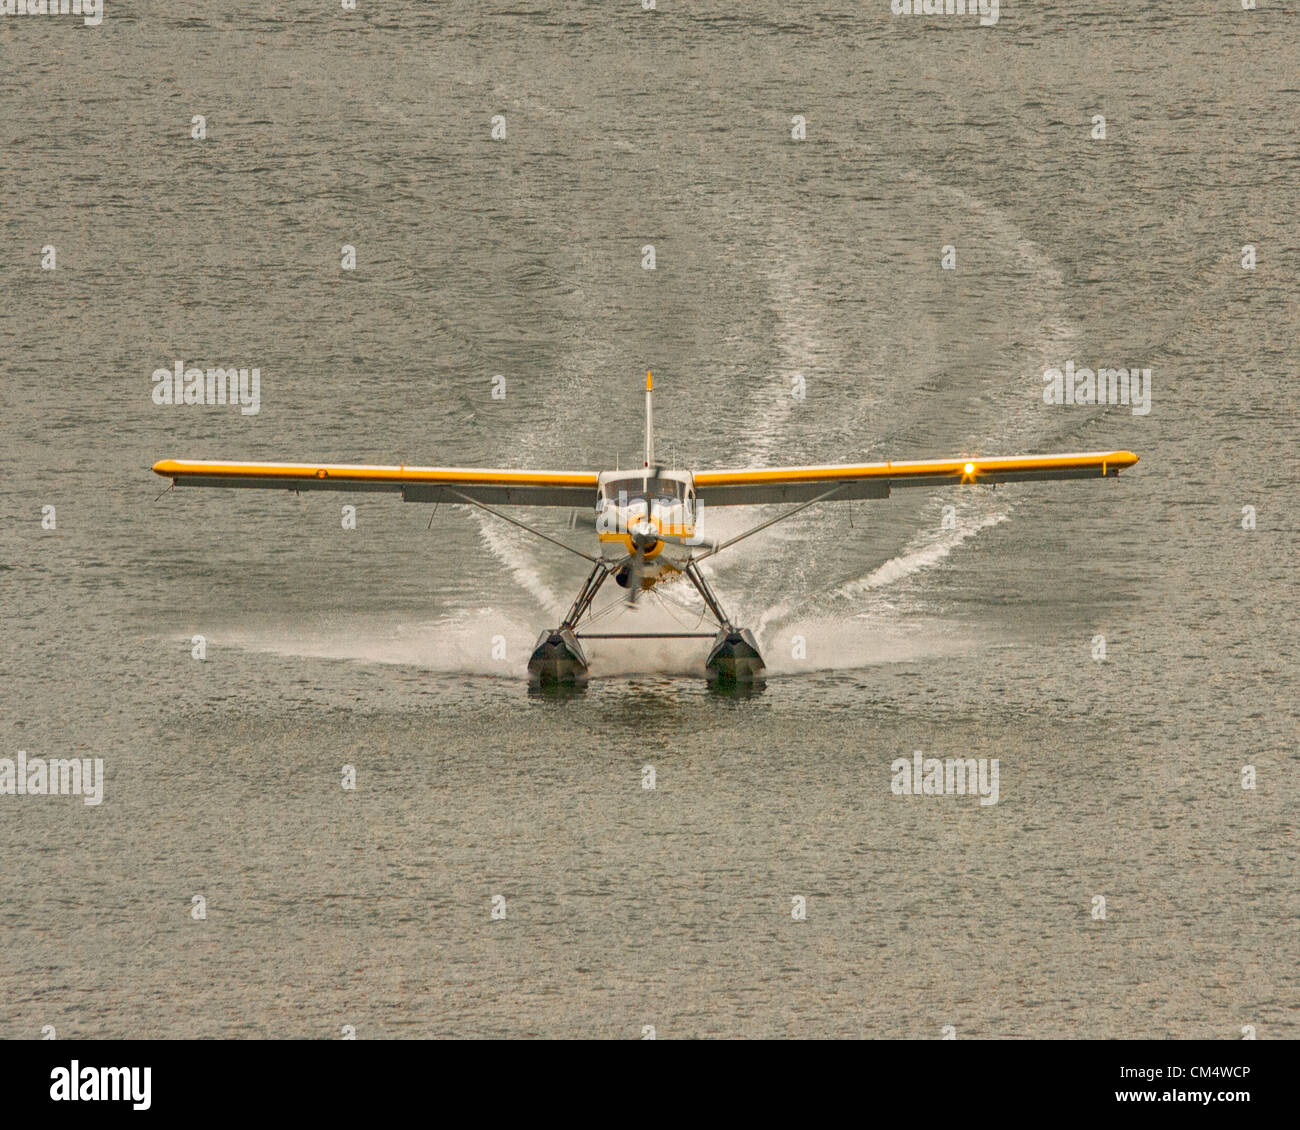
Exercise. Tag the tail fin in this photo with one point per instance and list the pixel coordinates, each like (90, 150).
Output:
(649, 421)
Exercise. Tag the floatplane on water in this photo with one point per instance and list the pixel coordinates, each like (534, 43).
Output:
(646, 520)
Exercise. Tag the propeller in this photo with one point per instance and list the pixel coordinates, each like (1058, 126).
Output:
(644, 539)
(694, 543)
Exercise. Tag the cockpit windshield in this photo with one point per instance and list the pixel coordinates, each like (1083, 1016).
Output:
(664, 491)
(630, 486)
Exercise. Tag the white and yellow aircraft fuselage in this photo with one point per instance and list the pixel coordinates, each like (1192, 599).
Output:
(646, 519)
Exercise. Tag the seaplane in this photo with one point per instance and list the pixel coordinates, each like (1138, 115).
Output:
(646, 520)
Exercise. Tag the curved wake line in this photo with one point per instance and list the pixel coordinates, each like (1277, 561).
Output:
(924, 552)
(918, 556)
(509, 552)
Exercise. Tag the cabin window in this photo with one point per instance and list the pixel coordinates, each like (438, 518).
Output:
(629, 486)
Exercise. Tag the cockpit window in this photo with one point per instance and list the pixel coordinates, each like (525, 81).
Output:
(630, 486)
(666, 490)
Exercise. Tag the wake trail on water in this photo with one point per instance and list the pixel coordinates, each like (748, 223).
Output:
(877, 616)
(859, 621)
(485, 642)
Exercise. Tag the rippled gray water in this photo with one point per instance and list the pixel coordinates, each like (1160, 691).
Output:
(628, 907)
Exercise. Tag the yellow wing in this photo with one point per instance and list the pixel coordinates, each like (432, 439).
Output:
(415, 484)
(875, 480)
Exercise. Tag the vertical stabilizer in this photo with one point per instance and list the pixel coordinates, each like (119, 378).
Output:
(649, 421)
